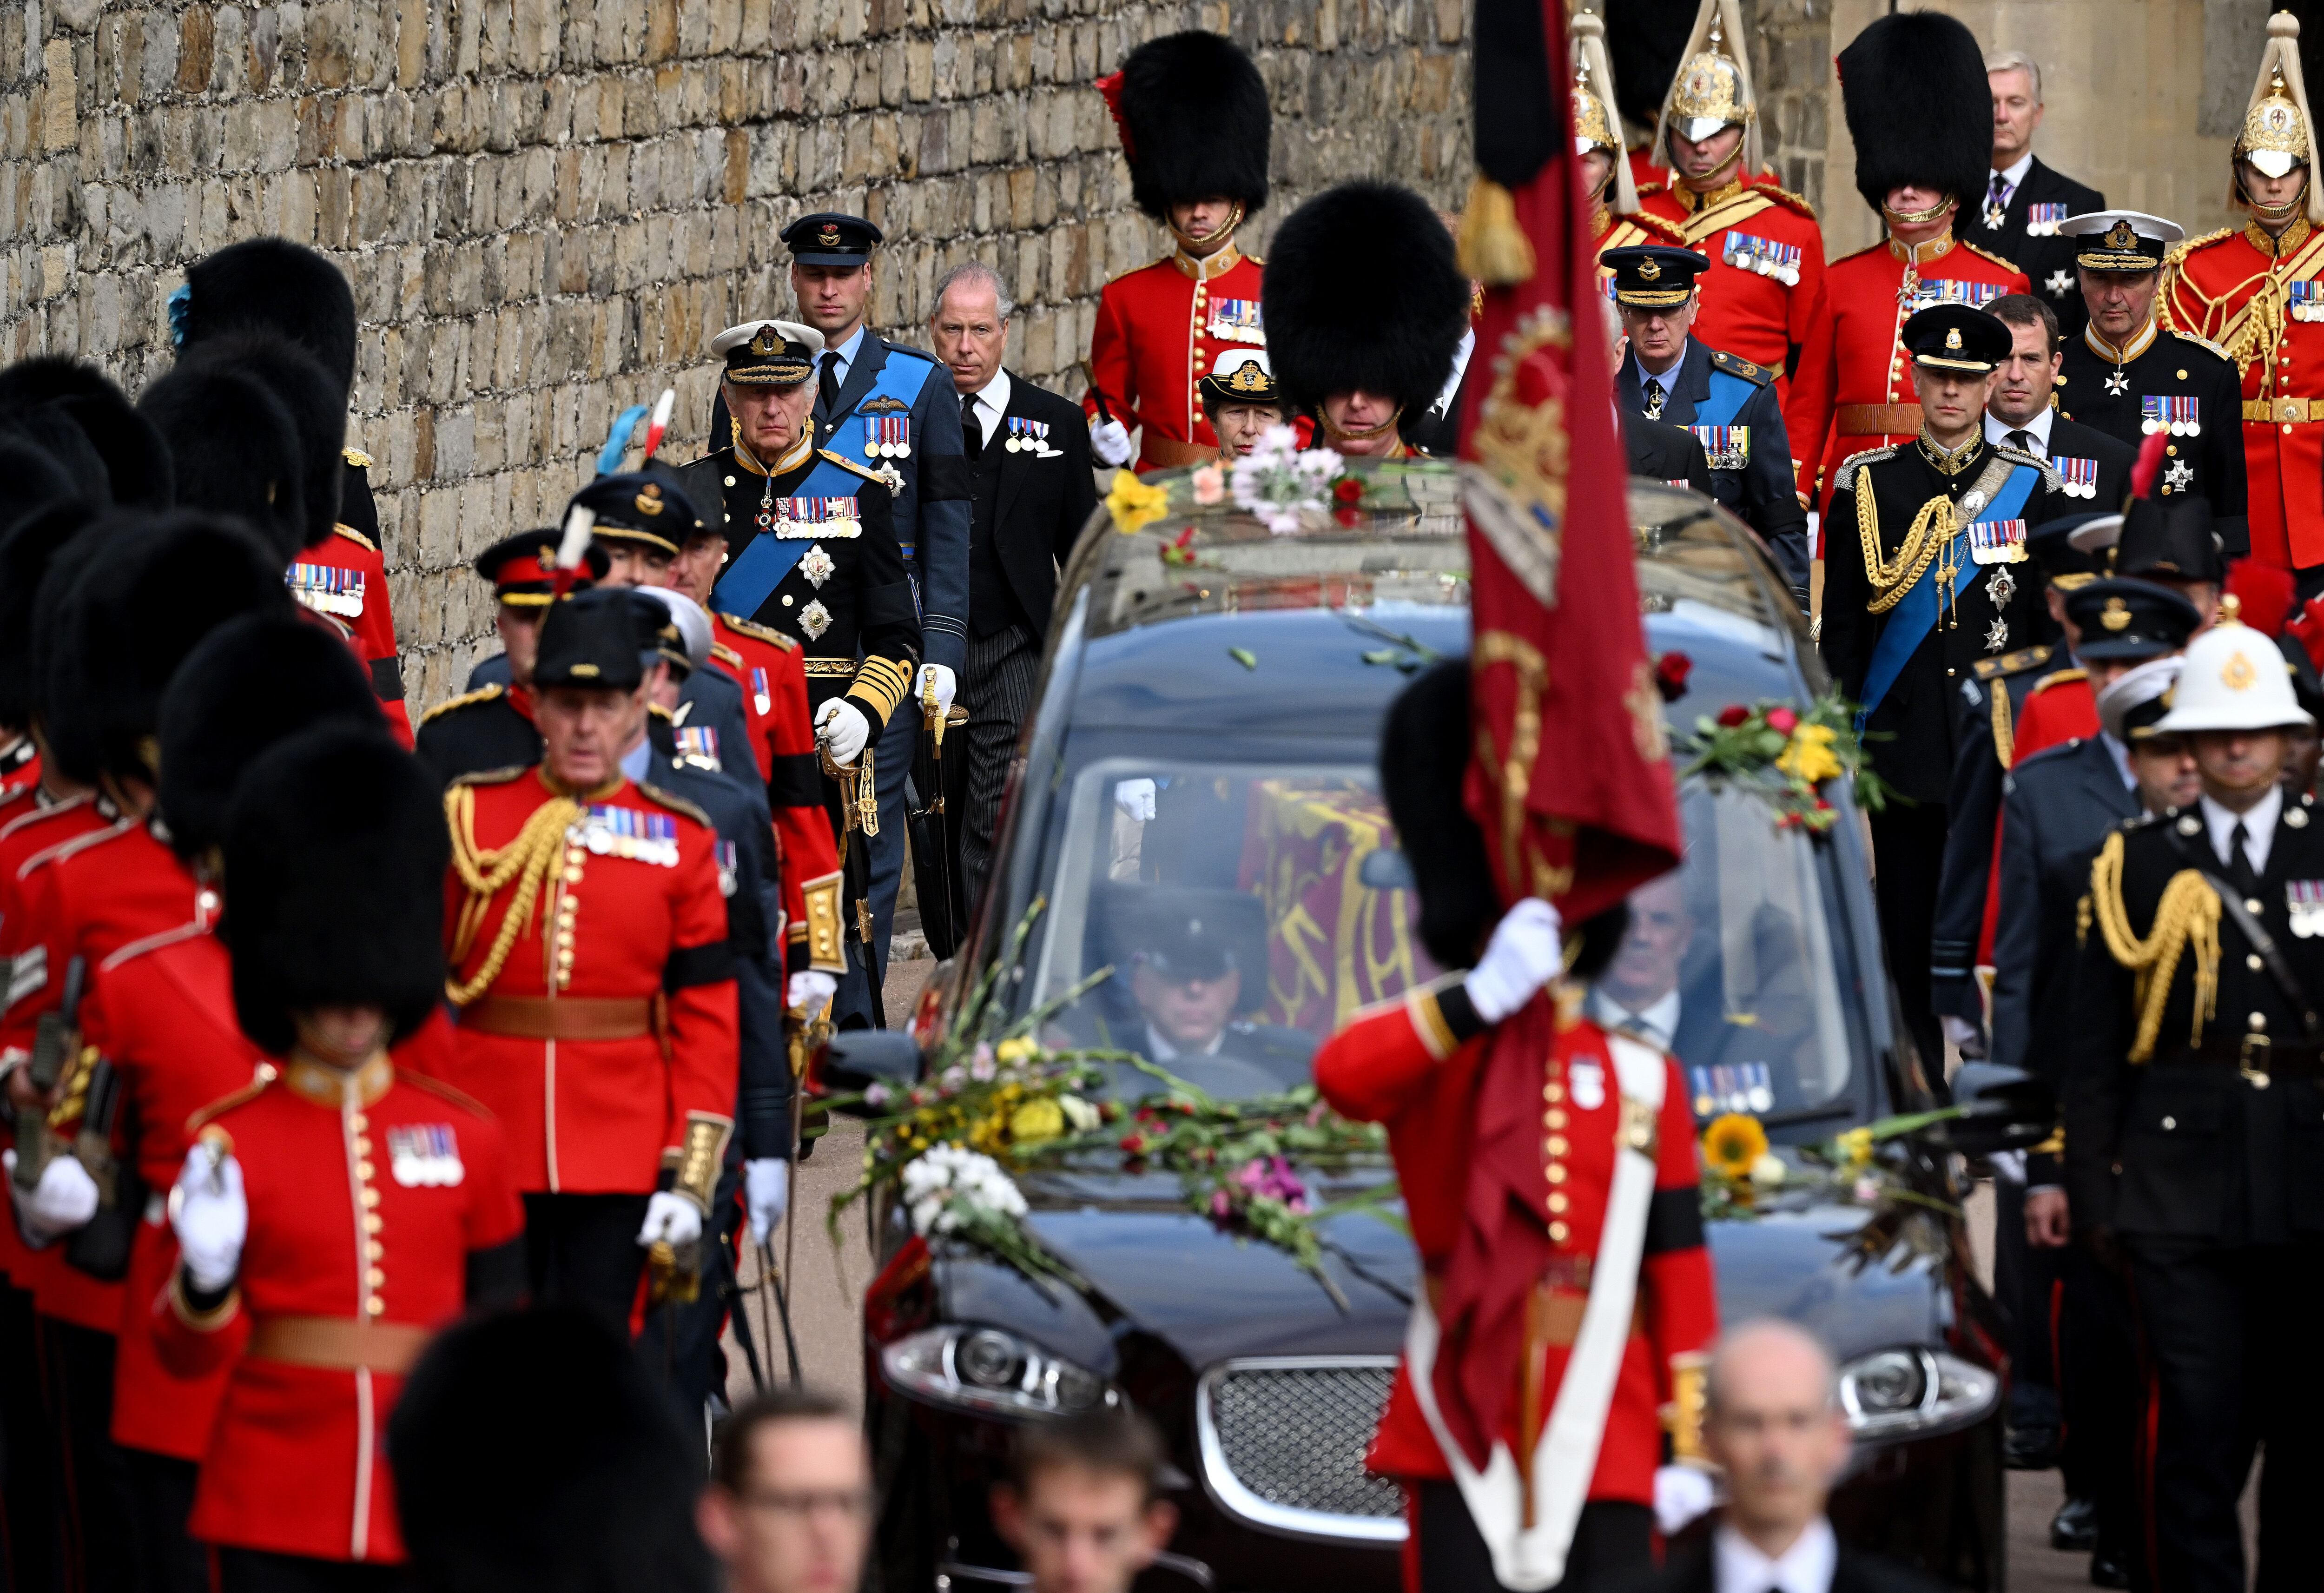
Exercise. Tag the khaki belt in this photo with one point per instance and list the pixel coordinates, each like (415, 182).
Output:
(343, 1344)
(566, 1018)
(2284, 411)
(1555, 1317)
(1163, 452)
(1879, 419)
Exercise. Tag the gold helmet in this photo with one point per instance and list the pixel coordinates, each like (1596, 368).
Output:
(2275, 138)
(1712, 86)
(1593, 126)
(1595, 123)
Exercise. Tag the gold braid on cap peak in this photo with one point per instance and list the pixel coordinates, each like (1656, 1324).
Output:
(2189, 913)
(527, 861)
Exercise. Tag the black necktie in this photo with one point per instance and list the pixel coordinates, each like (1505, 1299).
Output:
(2239, 863)
(1655, 396)
(827, 386)
(2022, 440)
(2000, 190)
(971, 433)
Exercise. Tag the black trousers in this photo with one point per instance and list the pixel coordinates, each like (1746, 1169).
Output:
(2024, 1283)
(2226, 1334)
(1613, 1543)
(2103, 1394)
(680, 1343)
(32, 1457)
(100, 1517)
(1908, 850)
(1003, 668)
(260, 1570)
(162, 1487)
(583, 1249)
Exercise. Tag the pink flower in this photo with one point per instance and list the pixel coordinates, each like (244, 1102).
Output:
(1210, 485)
(1782, 721)
(1220, 1207)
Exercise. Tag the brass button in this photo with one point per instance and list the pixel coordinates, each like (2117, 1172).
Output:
(2258, 1021)
(1558, 1232)
(358, 1121)
(2183, 375)
(2170, 1123)
(1558, 1202)
(2253, 962)
(1552, 1092)
(363, 1145)
(573, 876)
(373, 1250)
(371, 1223)
(729, 481)
(2172, 449)
(1557, 1146)
(366, 1171)
(1949, 672)
(371, 1197)
(2252, 904)
(374, 1277)
(374, 1308)
(1552, 1119)
(786, 600)
(1557, 1173)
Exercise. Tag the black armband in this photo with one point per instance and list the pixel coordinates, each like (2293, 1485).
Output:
(698, 965)
(1675, 1220)
(387, 679)
(794, 779)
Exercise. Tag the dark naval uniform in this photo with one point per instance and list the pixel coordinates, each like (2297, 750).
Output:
(1730, 406)
(2168, 380)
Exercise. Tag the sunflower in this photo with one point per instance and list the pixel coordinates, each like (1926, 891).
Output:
(1808, 756)
(1036, 1121)
(1133, 503)
(1733, 1143)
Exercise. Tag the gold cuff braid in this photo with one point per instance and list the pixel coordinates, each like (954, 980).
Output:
(821, 899)
(700, 1156)
(882, 683)
(1690, 1386)
(2189, 913)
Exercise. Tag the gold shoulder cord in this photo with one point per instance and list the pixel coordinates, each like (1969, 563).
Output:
(1931, 533)
(527, 861)
(2187, 912)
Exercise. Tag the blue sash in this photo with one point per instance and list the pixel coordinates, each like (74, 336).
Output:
(753, 573)
(1912, 619)
(900, 378)
(1725, 400)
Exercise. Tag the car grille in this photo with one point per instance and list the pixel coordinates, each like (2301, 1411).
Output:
(1283, 1443)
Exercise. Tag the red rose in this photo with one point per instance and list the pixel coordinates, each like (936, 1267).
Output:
(1348, 489)
(1349, 518)
(1133, 1145)
(1733, 715)
(1670, 671)
(1782, 721)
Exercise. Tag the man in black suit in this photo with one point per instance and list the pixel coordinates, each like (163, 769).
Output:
(1772, 1418)
(1031, 491)
(2093, 466)
(1665, 453)
(2025, 201)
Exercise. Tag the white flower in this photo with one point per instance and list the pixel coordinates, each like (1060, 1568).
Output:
(952, 1077)
(1767, 1172)
(982, 1068)
(875, 1095)
(1080, 1113)
(1276, 482)
(947, 1181)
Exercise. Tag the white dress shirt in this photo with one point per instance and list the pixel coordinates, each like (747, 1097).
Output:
(2259, 827)
(1161, 1052)
(1806, 1567)
(1998, 430)
(2011, 176)
(847, 352)
(991, 403)
(1656, 1023)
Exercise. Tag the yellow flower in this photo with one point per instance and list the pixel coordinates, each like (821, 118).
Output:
(1808, 755)
(1134, 504)
(1012, 1052)
(1037, 1120)
(1733, 1143)
(1855, 1146)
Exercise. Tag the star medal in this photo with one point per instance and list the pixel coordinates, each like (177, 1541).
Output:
(2057, 281)
(816, 565)
(815, 620)
(2000, 586)
(894, 477)
(1996, 219)
(2179, 476)
(1997, 636)
(2118, 383)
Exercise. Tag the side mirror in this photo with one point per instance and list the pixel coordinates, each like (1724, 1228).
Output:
(1385, 869)
(2002, 1109)
(856, 1059)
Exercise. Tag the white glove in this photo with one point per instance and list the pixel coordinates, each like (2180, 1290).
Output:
(842, 728)
(212, 1218)
(1682, 1493)
(810, 990)
(65, 1198)
(766, 1190)
(1110, 441)
(1136, 799)
(947, 687)
(1967, 1037)
(1525, 953)
(670, 1217)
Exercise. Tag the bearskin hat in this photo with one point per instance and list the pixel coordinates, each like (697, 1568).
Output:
(318, 409)
(336, 849)
(534, 1453)
(1195, 122)
(271, 285)
(1646, 39)
(1913, 87)
(1390, 328)
(132, 465)
(122, 624)
(1424, 761)
(27, 550)
(236, 448)
(249, 684)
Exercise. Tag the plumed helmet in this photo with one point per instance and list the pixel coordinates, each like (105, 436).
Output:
(236, 451)
(534, 1453)
(318, 410)
(270, 285)
(1392, 327)
(334, 856)
(1912, 85)
(249, 684)
(1195, 122)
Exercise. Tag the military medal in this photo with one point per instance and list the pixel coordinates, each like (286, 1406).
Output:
(2304, 300)
(327, 589)
(815, 620)
(424, 1155)
(2118, 383)
(2042, 220)
(2181, 417)
(1743, 1088)
(1588, 1081)
(698, 744)
(2000, 586)
(2179, 476)
(609, 831)
(1027, 435)
(1996, 635)
(761, 697)
(888, 436)
(1996, 541)
(797, 518)
(1726, 447)
(816, 565)
(1763, 257)
(1237, 320)
(1995, 218)
(2303, 899)
(2078, 477)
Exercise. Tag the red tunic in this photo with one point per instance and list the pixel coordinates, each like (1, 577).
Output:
(599, 1115)
(161, 1010)
(346, 579)
(1159, 330)
(1399, 1063)
(367, 1191)
(1747, 311)
(28, 824)
(1852, 370)
(2236, 290)
(772, 670)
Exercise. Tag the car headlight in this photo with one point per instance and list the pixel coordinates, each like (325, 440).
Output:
(992, 1370)
(1914, 1393)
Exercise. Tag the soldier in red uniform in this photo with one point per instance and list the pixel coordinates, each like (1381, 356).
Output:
(1623, 1222)
(1765, 289)
(2253, 291)
(1193, 114)
(587, 938)
(1616, 219)
(1853, 388)
(335, 1211)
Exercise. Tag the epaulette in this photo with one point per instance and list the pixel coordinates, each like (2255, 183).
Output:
(494, 777)
(1133, 271)
(2060, 677)
(2025, 657)
(483, 694)
(2050, 479)
(2202, 343)
(356, 458)
(260, 1079)
(1868, 456)
(2186, 247)
(758, 633)
(724, 654)
(357, 538)
(438, 1088)
(1646, 221)
(657, 711)
(1646, 189)
(677, 804)
(1735, 364)
(918, 354)
(845, 463)
(1797, 202)
(1987, 255)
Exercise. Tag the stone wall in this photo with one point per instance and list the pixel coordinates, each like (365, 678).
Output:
(547, 209)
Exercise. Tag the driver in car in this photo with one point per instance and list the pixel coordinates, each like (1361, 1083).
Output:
(1186, 977)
